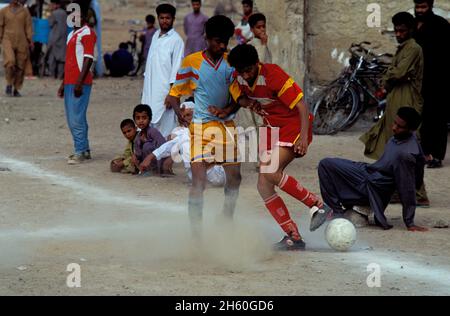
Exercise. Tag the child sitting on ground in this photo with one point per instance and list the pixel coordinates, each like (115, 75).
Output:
(147, 141)
(180, 144)
(123, 163)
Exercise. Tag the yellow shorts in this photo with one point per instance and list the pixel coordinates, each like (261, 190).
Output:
(214, 142)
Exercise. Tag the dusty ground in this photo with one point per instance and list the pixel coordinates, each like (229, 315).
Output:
(130, 234)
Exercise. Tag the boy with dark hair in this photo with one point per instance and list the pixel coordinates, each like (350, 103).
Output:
(207, 75)
(269, 91)
(260, 39)
(148, 140)
(163, 62)
(77, 85)
(124, 163)
(345, 184)
(247, 119)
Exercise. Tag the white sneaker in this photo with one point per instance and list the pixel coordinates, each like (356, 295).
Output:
(319, 216)
(75, 159)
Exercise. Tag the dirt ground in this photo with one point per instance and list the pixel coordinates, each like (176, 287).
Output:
(130, 234)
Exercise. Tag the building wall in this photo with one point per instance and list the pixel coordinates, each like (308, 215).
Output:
(310, 38)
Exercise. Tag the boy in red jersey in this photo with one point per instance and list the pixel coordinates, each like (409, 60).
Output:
(269, 91)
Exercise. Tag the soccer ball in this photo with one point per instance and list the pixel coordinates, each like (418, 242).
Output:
(340, 234)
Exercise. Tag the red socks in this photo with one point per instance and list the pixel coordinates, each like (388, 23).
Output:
(280, 213)
(296, 190)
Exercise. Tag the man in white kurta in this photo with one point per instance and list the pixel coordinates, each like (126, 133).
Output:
(163, 62)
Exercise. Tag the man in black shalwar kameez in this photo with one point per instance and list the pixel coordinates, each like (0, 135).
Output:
(433, 35)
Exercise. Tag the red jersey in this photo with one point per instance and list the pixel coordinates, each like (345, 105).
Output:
(80, 44)
(278, 95)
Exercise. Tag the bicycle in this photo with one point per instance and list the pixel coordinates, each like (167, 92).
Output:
(340, 104)
(138, 55)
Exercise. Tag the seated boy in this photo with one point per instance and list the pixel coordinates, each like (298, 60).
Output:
(180, 144)
(123, 163)
(148, 140)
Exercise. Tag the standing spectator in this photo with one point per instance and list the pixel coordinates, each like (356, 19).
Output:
(16, 33)
(403, 83)
(194, 28)
(433, 35)
(243, 32)
(57, 40)
(149, 32)
(77, 85)
(164, 60)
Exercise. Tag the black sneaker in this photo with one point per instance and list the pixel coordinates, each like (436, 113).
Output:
(17, 94)
(435, 164)
(9, 91)
(319, 216)
(290, 244)
(87, 155)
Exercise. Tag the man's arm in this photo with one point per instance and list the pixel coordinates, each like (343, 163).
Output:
(402, 71)
(87, 64)
(88, 42)
(405, 181)
(301, 147)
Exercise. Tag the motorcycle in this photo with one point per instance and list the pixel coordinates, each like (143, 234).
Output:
(339, 105)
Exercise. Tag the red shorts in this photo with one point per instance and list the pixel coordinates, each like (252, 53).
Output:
(285, 136)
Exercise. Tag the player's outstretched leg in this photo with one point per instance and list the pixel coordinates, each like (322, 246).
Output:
(293, 240)
(319, 211)
(276, 206)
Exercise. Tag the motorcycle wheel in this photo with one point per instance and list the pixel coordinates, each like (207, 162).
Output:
(334, 109)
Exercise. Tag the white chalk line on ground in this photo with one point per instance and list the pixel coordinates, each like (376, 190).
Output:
(85, 190)
(412, 269)
(437, 275)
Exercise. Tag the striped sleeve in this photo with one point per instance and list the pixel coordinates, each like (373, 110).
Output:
(235, 90)
(288, 91)
(187, 79)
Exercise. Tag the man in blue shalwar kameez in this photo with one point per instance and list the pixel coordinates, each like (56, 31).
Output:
(345, 183)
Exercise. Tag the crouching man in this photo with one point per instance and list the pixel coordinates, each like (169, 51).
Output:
(345, 183)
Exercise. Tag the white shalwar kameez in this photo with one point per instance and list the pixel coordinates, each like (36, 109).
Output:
(163, 62)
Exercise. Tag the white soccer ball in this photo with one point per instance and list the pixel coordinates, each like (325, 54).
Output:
(340, 234)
